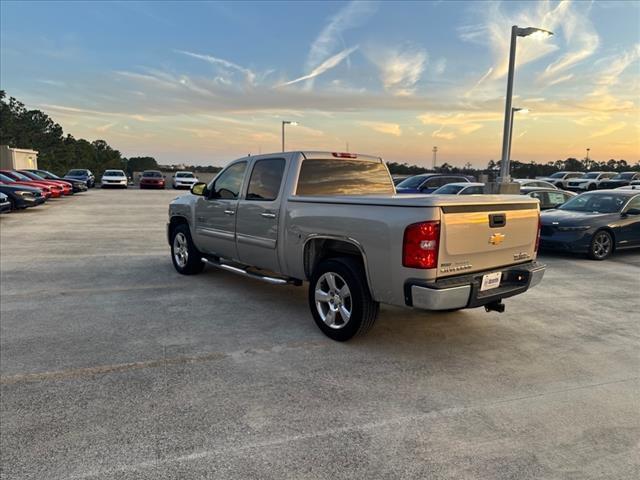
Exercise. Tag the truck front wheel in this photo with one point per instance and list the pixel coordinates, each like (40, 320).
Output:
(340, 300)
(186, 258)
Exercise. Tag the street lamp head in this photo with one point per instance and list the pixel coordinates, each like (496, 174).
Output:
(525, 32)
(521, 110)
(287, 122)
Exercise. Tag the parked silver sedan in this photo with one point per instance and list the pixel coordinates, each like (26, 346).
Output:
(461, 188)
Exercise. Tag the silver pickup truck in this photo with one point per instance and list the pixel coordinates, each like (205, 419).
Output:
(335, 220)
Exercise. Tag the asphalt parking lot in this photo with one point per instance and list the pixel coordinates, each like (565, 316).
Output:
(115, 366)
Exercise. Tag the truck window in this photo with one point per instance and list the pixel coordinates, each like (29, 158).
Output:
(228, 184)
(266, 178)
(343, 177)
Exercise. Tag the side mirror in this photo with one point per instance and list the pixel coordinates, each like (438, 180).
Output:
(199, 188)
(632, 211)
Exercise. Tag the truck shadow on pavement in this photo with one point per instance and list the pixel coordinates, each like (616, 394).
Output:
(286, 307)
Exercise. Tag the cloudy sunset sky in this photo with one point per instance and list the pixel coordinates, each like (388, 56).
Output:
(205, 83)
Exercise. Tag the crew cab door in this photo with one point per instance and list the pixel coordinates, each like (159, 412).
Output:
(258, 215)
(215, 213)
(629, 231)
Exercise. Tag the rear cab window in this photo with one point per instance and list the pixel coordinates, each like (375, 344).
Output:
(343, 176)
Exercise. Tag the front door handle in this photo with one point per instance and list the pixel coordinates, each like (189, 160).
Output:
(268, 215)
(229, 212)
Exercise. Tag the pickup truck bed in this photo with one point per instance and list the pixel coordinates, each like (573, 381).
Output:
(423, 251)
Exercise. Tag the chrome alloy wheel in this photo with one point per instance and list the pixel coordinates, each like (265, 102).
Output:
(333, 300)
(180, 249)
(601, 245)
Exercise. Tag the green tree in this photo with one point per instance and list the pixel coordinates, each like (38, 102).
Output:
(139, 164)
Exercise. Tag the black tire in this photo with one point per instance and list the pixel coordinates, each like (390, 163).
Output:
(363, 309)
(601, 246)
(193, 263)
(592, 187)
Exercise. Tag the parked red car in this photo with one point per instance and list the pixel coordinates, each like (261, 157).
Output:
(152, 179)
(56, 190)
(66, 186)
(6, 180)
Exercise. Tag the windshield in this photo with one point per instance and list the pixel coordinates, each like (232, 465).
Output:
(45, 174)
(411, 182)
(21, 176)
(152, 174)
(448, 190)
(596, 203)
(592, 175)
(4, 178)
(32, 175)
(558, 175)
(77, 173)
(114, 173)
(184, 175)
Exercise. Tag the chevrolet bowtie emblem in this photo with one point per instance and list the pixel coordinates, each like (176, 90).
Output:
(496, 239)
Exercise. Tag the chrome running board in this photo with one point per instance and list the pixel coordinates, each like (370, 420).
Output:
(245, 273)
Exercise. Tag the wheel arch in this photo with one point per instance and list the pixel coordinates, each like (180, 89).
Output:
(174, 221)
(611, 232)
(320, 247)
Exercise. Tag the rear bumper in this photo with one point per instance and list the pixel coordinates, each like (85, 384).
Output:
(463, 291)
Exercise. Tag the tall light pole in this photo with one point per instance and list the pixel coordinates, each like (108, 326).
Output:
(435, 156)
(506, 135)
(588, 154)
(286, 122)
(513, 111)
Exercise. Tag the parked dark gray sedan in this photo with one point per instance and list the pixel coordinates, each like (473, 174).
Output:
(596, 223)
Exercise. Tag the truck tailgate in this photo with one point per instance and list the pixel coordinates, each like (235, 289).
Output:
(486, 236)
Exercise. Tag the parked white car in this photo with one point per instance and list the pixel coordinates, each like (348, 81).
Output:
(184, 179)
(528, 182)
(635, 185)
(114, 178)
(589, 181)
(560, 179)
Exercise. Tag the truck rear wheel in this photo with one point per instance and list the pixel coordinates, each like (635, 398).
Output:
(186, 258)
(340, 300)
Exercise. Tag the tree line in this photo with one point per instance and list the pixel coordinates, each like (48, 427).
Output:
(34, 129)
(57, 152)
(520, 169)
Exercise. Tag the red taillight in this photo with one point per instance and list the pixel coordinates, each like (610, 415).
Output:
(538, 234)
(344, 155)
(420, 245)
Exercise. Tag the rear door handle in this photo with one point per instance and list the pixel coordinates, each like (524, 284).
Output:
(268, 215)
(229, 212)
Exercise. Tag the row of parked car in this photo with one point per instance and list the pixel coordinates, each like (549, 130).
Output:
(26, 188)
(148, 179)
(595, 213)
(551, 191)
